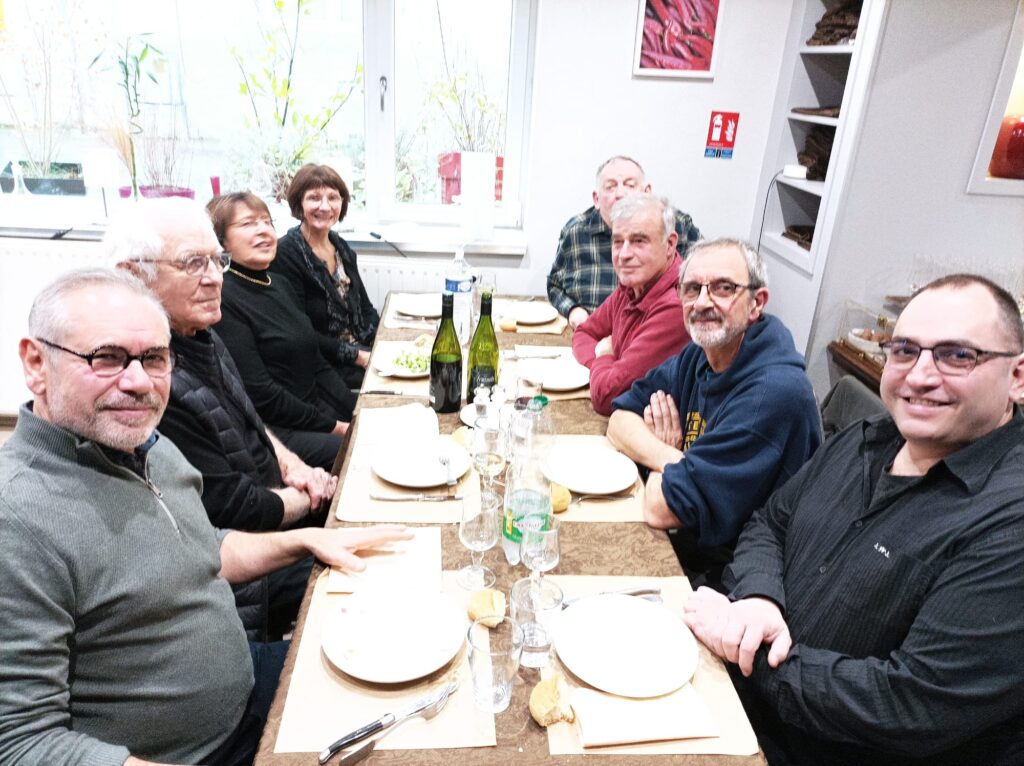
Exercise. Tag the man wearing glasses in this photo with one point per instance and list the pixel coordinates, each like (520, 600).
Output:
(725, 422)
(119, 633)
(875, 600)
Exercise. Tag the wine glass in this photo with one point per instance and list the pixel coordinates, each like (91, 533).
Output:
(478, 531)
(539, 548)
(488, 451)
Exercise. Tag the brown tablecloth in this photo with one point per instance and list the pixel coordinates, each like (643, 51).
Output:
(586, 549)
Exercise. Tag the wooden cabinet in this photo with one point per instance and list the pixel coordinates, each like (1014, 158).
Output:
(812, 77)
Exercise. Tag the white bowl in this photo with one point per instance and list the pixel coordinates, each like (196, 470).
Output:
(867, 346)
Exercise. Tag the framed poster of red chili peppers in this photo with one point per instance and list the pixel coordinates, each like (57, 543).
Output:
(676, 38)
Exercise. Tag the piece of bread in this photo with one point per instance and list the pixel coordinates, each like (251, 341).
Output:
(488, 606)
(549, 701)
(560, 498)
(423, 341)
(508, 324)
(463, 436)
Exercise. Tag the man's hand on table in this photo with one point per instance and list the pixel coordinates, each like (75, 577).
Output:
(577, 317)
(315, 482)
(662, 417)
(337, 546)
(363, 359)
(735, 630)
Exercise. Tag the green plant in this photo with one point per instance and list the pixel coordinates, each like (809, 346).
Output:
(285, 133)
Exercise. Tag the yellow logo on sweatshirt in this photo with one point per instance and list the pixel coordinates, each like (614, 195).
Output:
(694, 428)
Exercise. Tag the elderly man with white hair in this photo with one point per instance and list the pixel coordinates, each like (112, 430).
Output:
(251, 481)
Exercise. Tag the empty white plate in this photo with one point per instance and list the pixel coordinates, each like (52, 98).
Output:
(537, 312)
(390, 637)
(561, 374)
(625, 645)
(589, 469)
(419, 464)
(417, 304)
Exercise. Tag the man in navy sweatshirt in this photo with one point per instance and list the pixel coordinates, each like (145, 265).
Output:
(725, 422)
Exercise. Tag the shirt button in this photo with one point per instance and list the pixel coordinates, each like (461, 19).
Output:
(858, 524)
(823, 569)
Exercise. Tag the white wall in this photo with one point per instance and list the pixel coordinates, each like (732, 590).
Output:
(588, 106)
(907, 217)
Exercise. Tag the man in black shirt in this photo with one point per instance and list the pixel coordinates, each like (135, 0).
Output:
(875, 606)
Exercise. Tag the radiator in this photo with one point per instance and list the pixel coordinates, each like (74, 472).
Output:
(383, 274)
(26, 266)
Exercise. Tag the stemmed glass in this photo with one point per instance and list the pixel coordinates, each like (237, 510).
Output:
(488, 450)
(539, 548)
(478, 531)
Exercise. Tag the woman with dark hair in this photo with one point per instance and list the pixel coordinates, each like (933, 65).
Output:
(299, 395)
(323, 269)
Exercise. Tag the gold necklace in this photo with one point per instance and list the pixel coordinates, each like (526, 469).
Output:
(250, 279)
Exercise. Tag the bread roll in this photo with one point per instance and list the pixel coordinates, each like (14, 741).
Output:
(549, 701)
(508, 324)
(488, 606)
(560, 498)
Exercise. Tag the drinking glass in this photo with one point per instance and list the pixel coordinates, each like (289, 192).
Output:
(488, 450)
(539, 549)
(533, 609)
(493, 662)
(478, 531)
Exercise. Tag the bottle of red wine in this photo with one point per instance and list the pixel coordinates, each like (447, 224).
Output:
(483, 351)
(446, 363)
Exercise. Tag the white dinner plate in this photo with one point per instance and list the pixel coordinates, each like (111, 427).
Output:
(388, 368)
(392, 637)
(426, 305)
(418, 465)
(534, 312)
(625, 645)
(561, 374)
(589, 469)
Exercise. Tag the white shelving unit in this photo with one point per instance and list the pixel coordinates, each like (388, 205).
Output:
(812, 77)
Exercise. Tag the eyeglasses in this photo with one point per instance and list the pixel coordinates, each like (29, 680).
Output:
(194, 264)
(108, 361)
(252, 223)
(949, 358)
(723, 289)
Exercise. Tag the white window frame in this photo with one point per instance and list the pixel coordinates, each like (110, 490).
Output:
(378, 52)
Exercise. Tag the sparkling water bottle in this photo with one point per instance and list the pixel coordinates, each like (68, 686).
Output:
(458, 280)
(527, 505)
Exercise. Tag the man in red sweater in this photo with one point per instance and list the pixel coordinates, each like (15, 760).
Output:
(640, 325)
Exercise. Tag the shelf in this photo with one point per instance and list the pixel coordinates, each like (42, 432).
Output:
(788, 250)
(829, 50)
(832, 122)
(810, 187)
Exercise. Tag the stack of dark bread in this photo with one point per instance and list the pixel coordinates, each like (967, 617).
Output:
(838, 25)
(817, 149)
(802, 235)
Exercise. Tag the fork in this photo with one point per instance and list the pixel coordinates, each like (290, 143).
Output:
(446, 461)
(579, 499)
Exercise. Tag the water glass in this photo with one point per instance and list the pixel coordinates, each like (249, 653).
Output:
(534, 606)
(539, 549)
(488, 449)
(478, 531)
(494, 655)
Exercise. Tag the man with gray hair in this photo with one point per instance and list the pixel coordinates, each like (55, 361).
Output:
(119, 633)
(582, 275)
(641, 324)
(727, 421)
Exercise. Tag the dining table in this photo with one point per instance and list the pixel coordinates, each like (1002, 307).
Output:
(605, 554)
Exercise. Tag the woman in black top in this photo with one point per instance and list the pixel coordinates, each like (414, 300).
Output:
(322, 268)
(299, 395)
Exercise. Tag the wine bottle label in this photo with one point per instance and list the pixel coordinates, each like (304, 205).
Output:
(482, 376)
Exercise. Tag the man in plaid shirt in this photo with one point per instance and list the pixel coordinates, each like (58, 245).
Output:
(582, 275)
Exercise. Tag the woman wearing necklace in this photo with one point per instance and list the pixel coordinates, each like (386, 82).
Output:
(323, 269)
(299, 395)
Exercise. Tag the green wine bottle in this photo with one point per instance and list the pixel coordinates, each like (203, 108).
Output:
(483, 351)
(446, 363)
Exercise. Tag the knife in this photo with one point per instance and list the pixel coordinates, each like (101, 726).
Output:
(414, 498)
(422, 705)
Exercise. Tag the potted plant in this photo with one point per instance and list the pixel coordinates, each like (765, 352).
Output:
(41, 111)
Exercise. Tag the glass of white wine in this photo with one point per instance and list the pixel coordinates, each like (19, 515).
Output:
(488, 450)
(478, 531)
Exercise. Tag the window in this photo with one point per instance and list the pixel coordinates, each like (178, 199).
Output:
(242, 92)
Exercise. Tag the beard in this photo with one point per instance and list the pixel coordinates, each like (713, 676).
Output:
(101, 425)
(714, 336)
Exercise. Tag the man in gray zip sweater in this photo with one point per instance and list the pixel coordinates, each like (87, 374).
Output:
(120, 640)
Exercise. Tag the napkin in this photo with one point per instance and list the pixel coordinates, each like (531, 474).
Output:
(606, 719)
(414, 563)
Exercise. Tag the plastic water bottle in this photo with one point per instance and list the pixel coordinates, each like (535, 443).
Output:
(527, 504)
(458, 280)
